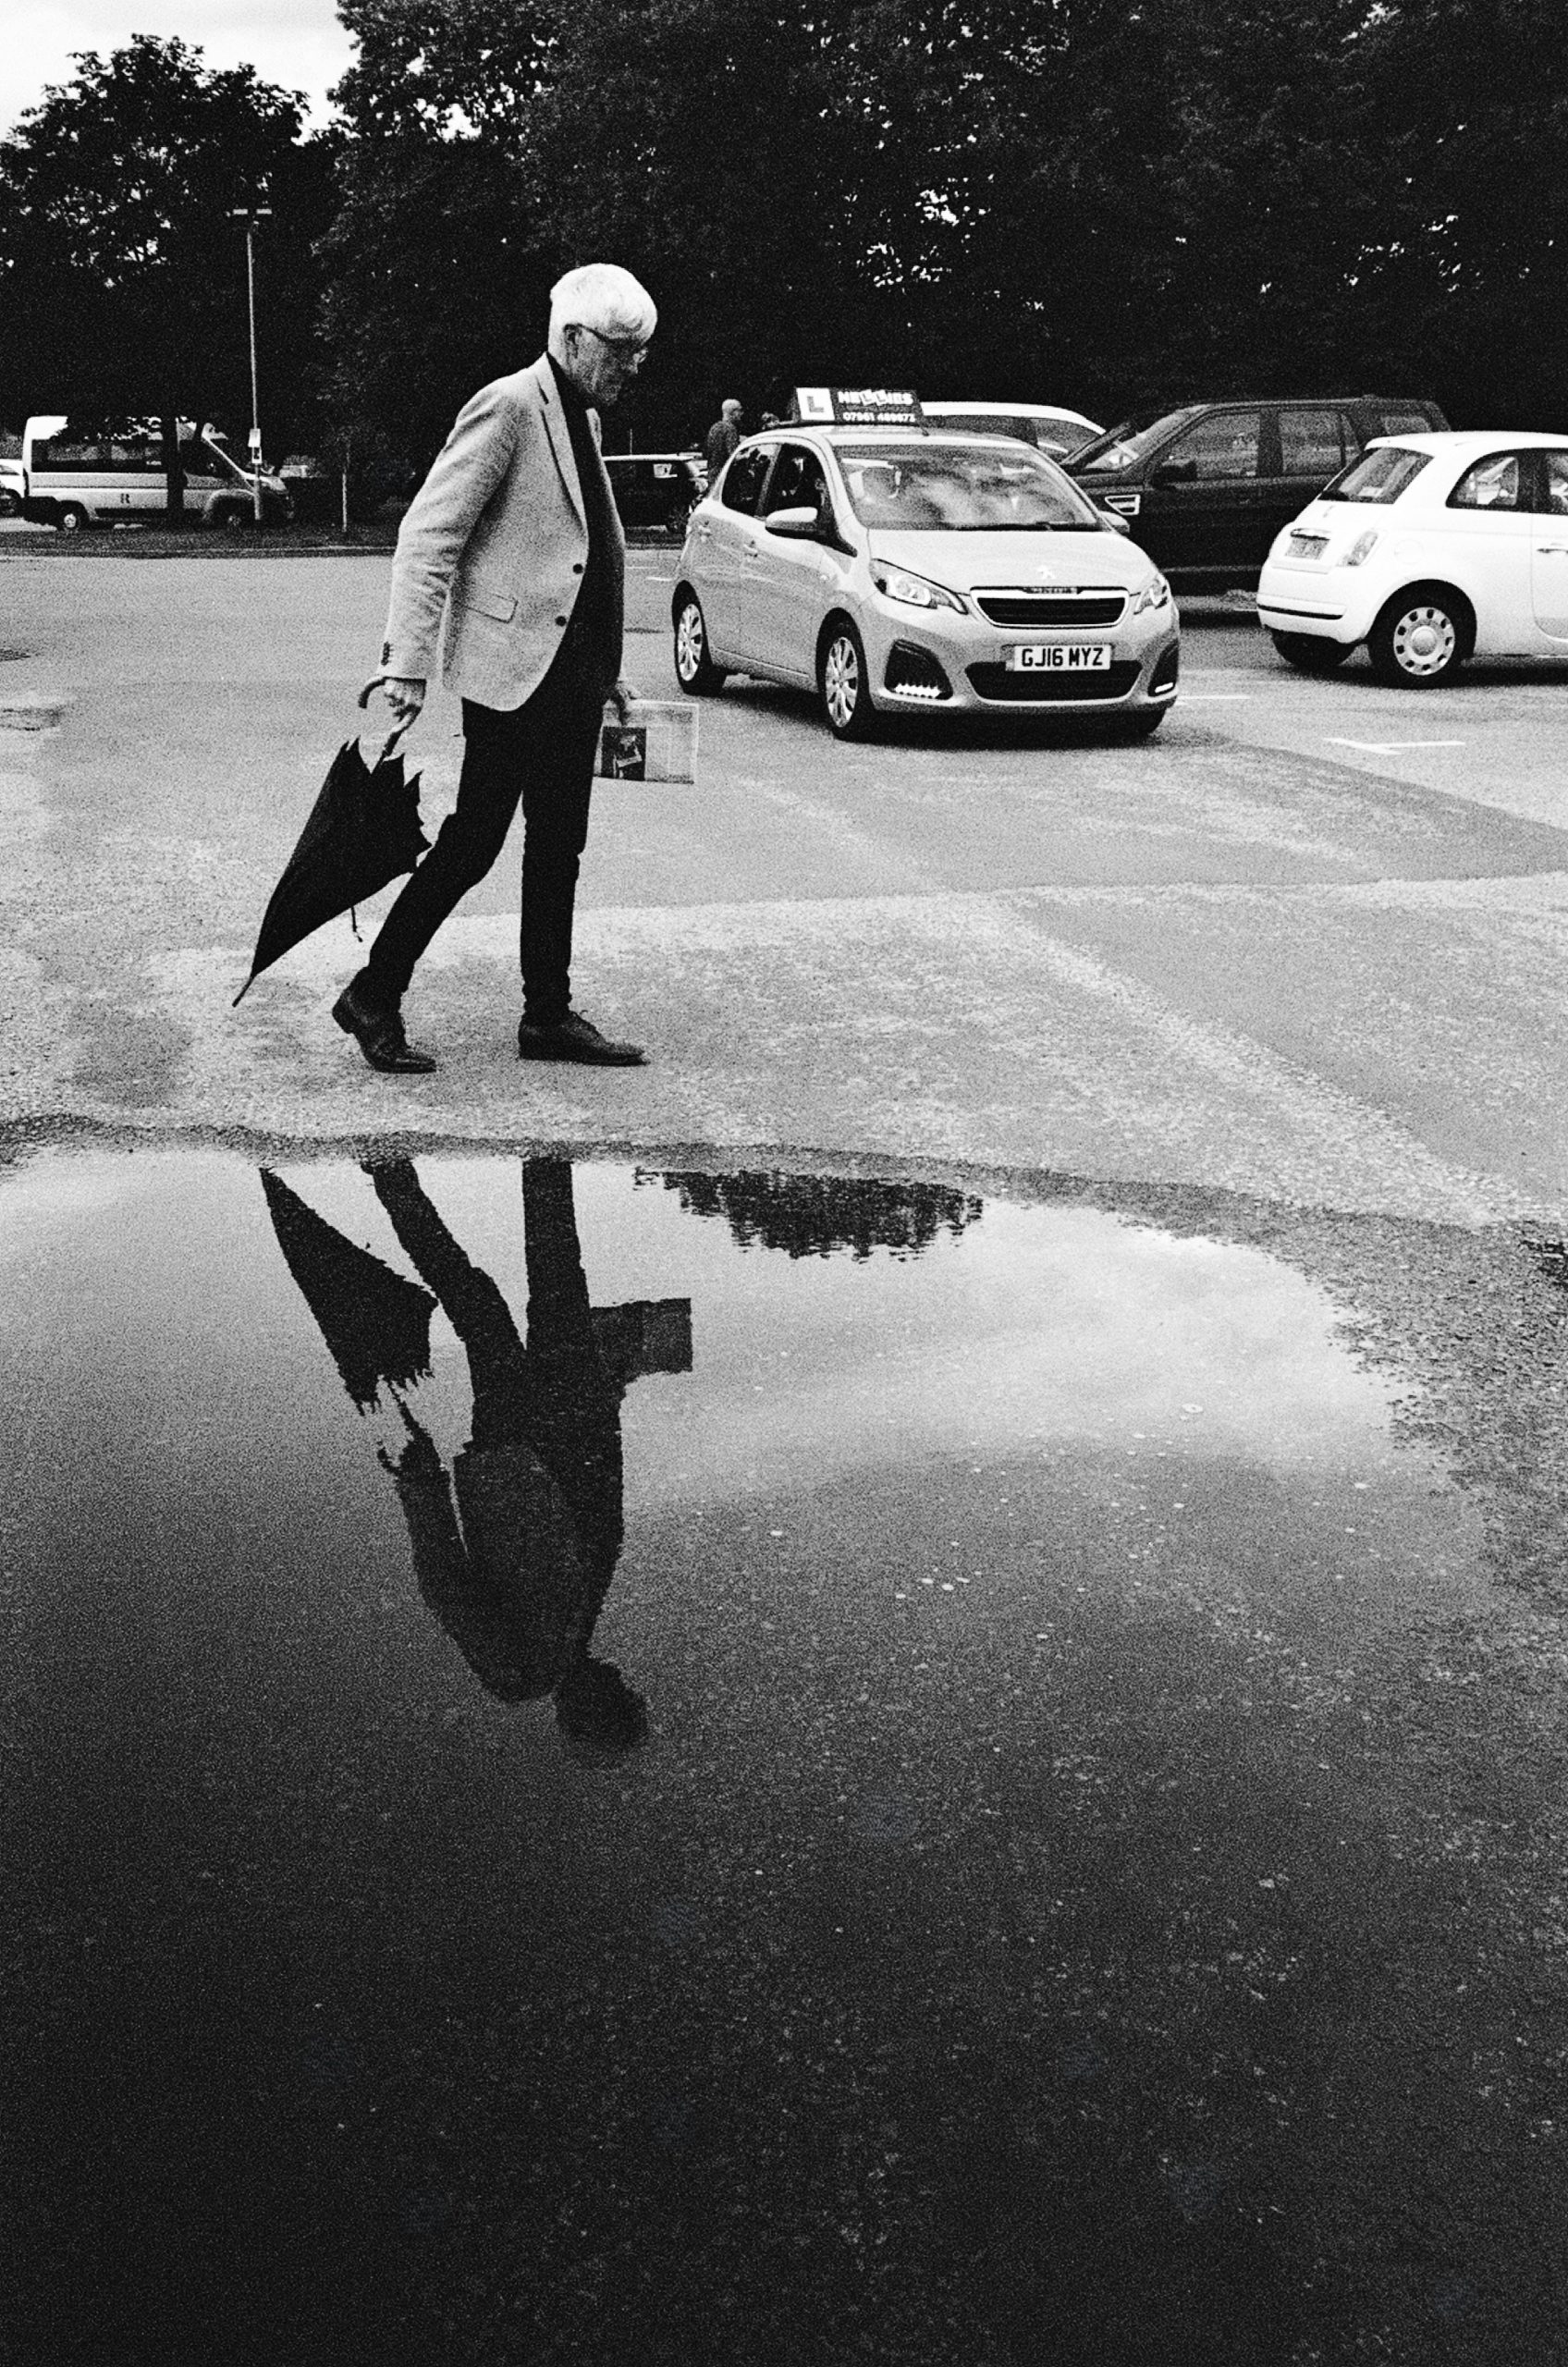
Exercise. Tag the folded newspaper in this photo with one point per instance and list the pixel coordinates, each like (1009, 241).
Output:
(658, 742)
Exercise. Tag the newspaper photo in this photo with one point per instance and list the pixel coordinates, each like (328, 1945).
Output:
(658, 742)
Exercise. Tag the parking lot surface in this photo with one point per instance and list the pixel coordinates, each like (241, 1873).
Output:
(1300, 944)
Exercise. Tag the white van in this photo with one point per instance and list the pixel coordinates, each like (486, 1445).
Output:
(78, 473)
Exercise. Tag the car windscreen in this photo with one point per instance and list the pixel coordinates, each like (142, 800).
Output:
(958, 488)
(1124, 447)
(1380, 474)
(204, 460)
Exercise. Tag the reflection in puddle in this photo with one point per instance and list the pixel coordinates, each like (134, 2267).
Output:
(597, 1753)
(516, 1546)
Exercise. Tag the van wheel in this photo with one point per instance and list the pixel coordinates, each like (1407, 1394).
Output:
(1422, 638)
(695, 670)
(843, 683)
(71, 517)
(1309, 653)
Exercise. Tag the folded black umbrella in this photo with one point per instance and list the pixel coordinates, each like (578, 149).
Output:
(363, 831)
(375, 1323)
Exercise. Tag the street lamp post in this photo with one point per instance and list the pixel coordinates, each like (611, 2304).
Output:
(250, 215)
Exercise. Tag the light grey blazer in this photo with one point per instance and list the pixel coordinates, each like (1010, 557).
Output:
(494, 546)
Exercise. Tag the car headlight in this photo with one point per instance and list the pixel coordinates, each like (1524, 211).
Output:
(1363, 547)
(1156, 594)
(914, 592)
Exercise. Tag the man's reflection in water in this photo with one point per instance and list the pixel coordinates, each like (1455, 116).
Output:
(515, 1550)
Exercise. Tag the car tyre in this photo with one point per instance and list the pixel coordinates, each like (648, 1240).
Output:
(843, 684)
(71, 519)
(695, 670)
(1141, 726)
(1422, 638)
(1309, 653)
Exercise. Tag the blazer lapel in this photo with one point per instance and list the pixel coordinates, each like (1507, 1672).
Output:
(558, 435)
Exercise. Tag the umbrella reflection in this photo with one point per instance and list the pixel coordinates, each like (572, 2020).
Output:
(376, 1325)
(515, 1547)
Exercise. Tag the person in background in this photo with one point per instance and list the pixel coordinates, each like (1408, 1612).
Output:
(723, 436)
(513, 545)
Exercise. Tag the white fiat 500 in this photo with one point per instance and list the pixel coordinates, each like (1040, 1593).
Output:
(895, 571)
(1430, 549)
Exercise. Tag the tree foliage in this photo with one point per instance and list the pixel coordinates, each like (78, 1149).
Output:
(1099, 201)
(122, 277)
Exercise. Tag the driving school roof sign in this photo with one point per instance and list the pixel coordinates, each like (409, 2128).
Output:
(857, 406)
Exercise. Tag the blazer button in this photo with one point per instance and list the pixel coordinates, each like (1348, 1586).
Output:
(577, 566)
(560, 620)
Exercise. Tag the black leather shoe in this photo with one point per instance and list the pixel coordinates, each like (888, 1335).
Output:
(576, 1038)
(380, 1036)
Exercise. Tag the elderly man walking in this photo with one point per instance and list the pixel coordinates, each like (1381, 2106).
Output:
(514, 545)
(723, 436)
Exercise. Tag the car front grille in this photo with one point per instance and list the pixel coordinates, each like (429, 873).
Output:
(1051, 690)
(1009, 605)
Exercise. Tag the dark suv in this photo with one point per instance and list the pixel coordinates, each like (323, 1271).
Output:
(657, 489)
(1207, 488)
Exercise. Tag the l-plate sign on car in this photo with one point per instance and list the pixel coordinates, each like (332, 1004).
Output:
(857, 407)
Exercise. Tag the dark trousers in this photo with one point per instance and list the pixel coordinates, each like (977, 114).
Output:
(542, 754)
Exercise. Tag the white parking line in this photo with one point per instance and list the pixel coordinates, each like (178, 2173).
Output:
(1388, 747)
(659, 578)
(1214, 698)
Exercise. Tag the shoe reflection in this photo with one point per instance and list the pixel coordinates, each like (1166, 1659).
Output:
(515, 1548)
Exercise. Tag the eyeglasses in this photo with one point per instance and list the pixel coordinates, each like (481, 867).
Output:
(626, 348)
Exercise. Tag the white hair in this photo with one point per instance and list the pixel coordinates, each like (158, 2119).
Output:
(602, 296)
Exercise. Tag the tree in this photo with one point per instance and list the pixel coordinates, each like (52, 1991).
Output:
(1099, 201)
(122, 276)
(436, 279)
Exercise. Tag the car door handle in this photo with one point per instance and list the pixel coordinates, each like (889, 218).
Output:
(1543, 547)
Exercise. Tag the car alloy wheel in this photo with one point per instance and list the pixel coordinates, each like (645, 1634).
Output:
(72, 518)
(1417, 642)
(695, 670)
(841, 680)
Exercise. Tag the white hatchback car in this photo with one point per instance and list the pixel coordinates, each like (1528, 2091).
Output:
(895, 570)
(1049, 426)
(1430, 549)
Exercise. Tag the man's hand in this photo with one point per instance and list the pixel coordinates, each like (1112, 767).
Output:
(620, 698)
(404, 697)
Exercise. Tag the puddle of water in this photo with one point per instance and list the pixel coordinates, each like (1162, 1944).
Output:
(592, 1746)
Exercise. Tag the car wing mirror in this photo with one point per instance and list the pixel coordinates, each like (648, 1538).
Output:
(1110, 518)
(1175, 473)
(795, 525)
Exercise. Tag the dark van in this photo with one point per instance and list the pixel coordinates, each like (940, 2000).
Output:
(1205, 489)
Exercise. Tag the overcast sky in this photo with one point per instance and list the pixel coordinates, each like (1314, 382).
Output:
(297, 44)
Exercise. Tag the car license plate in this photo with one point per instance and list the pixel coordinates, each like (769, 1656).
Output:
(1307, 545)
(1058, 658)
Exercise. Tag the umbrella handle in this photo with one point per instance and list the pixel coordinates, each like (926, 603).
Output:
(374, 683)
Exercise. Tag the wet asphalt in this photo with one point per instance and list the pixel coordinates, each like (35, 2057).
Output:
(893, 1691)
